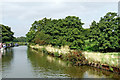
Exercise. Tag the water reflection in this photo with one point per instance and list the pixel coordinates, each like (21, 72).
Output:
(7, 57)
(59, 68)
(15, 63)
(23, 62)
(44, 66)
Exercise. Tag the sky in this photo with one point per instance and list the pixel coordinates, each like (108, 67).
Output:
(20, 14)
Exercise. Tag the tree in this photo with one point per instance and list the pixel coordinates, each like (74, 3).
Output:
(66, 31)
(0, 33)
(86, 33)
(7, 34)
(105, 34)
(20, 39)
(42, 38)
(30, 35)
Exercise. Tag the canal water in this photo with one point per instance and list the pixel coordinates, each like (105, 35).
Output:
(24, 62)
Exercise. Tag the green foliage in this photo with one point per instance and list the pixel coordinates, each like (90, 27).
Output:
(76, 57)
(90, 46)
(106, 33)
(20, 39)
(41, 38)
(7, 34)
(57, 32)
(86, 33)
(103, 36)
(0, 33)
(30, 35)
(111, 68)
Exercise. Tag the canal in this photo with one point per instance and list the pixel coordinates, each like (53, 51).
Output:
(23, 62)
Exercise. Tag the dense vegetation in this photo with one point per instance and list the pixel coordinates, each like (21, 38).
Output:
(102, 36)
(0, 33)
(106, 33)
(59, 32)
(6, 33)
(19, 39)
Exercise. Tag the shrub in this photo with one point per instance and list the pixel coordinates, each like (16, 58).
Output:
(76, 57)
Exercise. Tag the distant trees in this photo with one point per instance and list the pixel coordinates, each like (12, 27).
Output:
(19, 39)
(106, 33)
(7, 34)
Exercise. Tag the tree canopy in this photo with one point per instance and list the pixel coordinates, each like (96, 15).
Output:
(57, 32)
(106, 33)
(102, 36)
(7, 34)
(20, 39)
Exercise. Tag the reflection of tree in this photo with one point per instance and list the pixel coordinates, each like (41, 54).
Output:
(102, 73)
(7, 58)
(57, 66)
(53, 64)
(0, 55)
(38, 60)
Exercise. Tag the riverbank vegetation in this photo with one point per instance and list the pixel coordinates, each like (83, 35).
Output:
(75, 57)
(103, 61)
(95, 43)
(20, 39)
(57, 32)
(6, 34)
(102, 36)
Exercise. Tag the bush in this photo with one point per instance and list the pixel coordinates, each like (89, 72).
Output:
(106, 33)
(76, 57)
(41, 38)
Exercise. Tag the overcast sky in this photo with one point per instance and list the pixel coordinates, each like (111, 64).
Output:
(20, 15)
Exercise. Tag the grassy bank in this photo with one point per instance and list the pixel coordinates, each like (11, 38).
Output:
(107, 61)
(111, 59)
